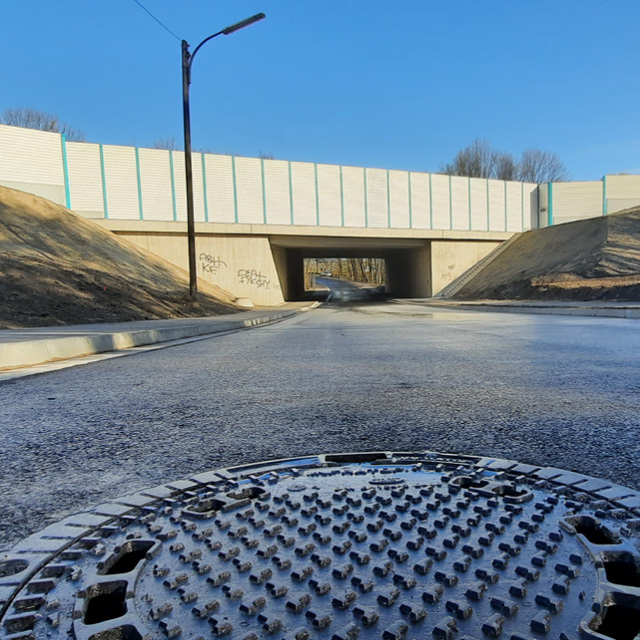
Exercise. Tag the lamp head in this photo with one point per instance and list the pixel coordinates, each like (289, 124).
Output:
(243, 23)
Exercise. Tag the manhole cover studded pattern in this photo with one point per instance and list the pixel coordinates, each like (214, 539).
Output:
(379, 545)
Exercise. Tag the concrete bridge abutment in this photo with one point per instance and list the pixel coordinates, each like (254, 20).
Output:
(265, 263)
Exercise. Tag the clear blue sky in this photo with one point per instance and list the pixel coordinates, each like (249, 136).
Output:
(384, 83)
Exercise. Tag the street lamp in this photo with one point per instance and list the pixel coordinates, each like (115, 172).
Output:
(187, 62)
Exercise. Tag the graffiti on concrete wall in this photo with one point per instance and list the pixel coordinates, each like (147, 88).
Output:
(211, 264)
(253, 277)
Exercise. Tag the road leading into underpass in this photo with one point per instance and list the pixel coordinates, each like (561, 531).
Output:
(343, 291)
(547, 390)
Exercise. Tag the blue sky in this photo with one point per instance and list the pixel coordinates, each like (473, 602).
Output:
(384, 83)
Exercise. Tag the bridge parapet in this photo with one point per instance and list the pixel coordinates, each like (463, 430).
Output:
(131, 183)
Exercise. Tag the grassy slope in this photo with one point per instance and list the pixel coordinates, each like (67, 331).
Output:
(595, 259)
(59, 268)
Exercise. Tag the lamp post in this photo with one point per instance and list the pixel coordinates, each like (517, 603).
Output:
(187, 62)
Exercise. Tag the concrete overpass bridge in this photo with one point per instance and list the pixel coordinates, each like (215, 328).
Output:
(265, 262)
(258, 219)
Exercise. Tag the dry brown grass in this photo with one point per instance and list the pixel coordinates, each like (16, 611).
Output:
(59, 268)
(595, 259)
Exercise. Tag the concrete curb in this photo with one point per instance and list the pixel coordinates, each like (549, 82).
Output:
(600, 312)
(28, 353)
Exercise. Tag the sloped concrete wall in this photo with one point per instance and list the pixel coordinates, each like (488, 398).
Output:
(242, 265)
(450, 259)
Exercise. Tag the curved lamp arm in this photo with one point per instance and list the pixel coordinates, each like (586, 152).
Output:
(226, 32)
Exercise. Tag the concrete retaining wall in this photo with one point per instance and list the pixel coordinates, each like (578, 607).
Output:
(243, 265)
(451, 259)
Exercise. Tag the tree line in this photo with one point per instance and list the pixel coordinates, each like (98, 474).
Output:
(480, 160)
(42, 121)
(362, 270)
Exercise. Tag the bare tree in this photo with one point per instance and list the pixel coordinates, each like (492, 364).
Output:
(541, 166)
(265, 156)
(481, 160)
(478, 160)
(168, 144)
(363, 270)
(71, 134)
(30, 119)
(505, 166)
(42, 121)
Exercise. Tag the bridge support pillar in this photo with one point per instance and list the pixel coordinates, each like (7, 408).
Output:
(290, 267)
(408, 272)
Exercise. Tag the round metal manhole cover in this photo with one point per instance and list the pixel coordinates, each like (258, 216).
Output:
(339, 547)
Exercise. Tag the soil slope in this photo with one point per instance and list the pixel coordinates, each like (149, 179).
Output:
(595, 259)
(58, 268)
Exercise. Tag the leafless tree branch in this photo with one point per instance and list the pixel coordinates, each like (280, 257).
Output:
(481, 160)
(42, 121)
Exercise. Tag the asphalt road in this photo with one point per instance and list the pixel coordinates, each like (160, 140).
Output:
(343, 291)
(547, 390)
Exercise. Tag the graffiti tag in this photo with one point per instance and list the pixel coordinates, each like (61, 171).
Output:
(253, 277)
(211, 264)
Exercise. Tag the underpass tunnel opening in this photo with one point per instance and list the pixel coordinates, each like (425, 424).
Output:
(368, 272)
(401, 266)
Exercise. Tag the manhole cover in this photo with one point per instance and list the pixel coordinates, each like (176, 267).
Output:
(338, 547)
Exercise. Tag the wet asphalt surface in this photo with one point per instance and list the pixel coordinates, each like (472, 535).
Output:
(546, 390)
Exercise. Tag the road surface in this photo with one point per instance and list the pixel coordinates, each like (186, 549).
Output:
(547, 390)
(343, 291)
